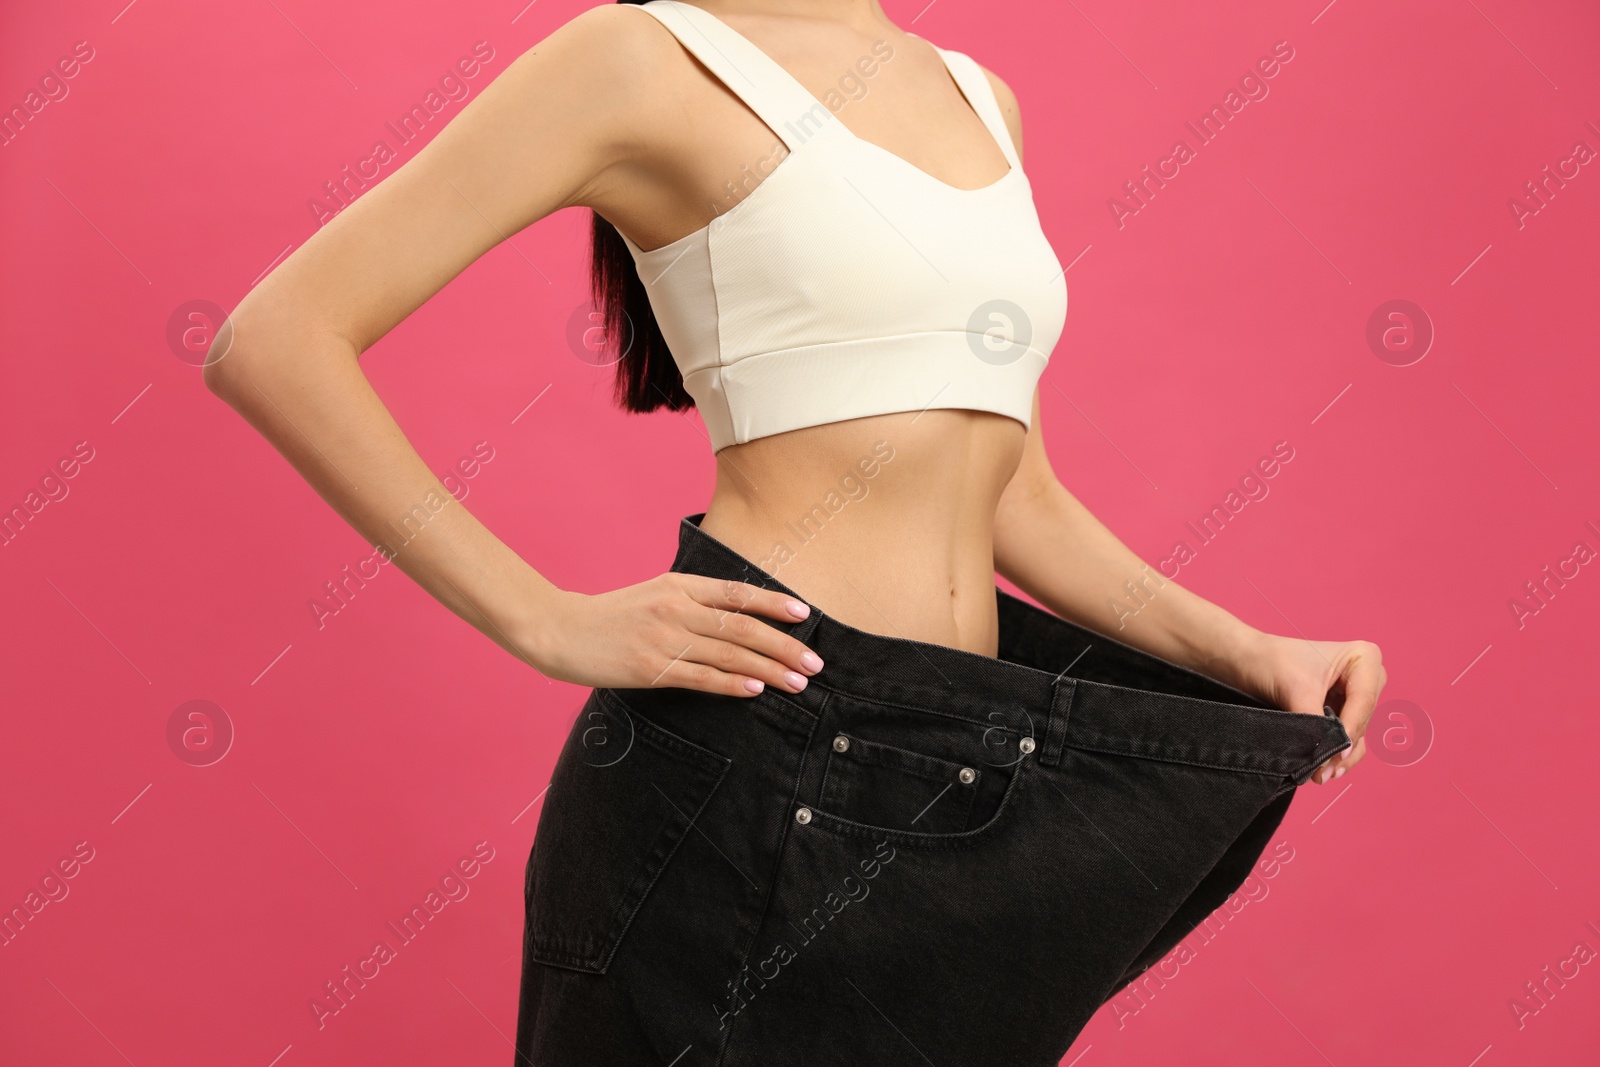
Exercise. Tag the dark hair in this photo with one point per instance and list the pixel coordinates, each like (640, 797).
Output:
(647, 378)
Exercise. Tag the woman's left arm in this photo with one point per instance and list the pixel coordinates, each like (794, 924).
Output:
(1038, 525)
(1052, 548)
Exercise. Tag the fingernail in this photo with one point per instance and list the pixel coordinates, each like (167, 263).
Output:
(797, 609)
(754, 685)
(795, 681)
(811, 662)
(1340, 772)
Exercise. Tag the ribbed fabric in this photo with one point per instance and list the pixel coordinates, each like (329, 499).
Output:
(850, 282)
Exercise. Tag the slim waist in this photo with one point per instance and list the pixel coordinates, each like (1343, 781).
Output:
(872, 664)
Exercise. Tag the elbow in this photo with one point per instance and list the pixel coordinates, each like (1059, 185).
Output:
(233, 376)
(234, 368)
(224, 368)
(217, 372)
(253, 362)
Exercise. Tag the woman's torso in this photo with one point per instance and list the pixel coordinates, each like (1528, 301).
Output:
(884, 522)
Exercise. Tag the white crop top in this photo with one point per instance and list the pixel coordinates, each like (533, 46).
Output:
(850, 282)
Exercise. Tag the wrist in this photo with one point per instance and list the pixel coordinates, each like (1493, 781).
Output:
(537, 624)
(1231, 651)
(1241, 661)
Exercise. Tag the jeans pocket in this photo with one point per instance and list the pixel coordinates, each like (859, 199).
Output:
(915, 777)
(624, 794)
(875, 783)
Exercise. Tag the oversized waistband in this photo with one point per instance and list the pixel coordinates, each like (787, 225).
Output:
(1062, 684)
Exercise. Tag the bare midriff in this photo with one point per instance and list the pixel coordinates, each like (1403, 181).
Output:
(884, 523)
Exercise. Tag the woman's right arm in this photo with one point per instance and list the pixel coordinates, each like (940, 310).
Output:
(559, 125)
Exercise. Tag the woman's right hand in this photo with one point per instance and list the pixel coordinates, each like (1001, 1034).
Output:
(684, 630)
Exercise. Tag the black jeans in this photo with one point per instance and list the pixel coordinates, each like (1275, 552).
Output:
(928, 856)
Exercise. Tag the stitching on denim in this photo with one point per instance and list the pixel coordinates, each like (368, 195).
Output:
(596, 956)
(919, 709)
(1276, 714)
(1289, 785)
(842, 827)
(776, 872)
(554, 948)
(969, 789)
(894, 752)
(1057, 624)
(564, 960)
(1077, 735)
(1063, 692)
(664, 739)
(666, 861)
(1106, 749)
(1317, 758)
(791, 708)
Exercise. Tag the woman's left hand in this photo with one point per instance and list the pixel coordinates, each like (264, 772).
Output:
(1304, 676)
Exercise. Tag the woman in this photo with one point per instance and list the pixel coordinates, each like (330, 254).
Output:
(829, 783)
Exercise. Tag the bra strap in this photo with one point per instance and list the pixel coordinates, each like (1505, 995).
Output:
(774, 94)
(974, 84)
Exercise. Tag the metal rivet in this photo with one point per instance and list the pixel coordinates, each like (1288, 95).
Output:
(1026, 745)
(841, 743)
(967, 776)
(802, 816)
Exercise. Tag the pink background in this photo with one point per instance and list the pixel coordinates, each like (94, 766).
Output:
(1229, 313)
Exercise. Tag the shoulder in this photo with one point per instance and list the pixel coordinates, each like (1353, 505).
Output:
(1002, 92)
(611, 72)
(612, 41)
(1010, 110)
(613, 50)
(1004, 98)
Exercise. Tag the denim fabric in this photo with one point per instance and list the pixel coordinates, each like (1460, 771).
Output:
(928, 856)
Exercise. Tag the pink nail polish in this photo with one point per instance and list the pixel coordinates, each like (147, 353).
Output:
(811, 662)
(754, 686)
(795, 681)
(1340, 772)
(797, 609)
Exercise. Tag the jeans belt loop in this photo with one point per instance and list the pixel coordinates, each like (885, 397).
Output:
(1055, 738)
(802, 630)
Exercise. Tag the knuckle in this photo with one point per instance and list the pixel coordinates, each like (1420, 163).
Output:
(641, 663)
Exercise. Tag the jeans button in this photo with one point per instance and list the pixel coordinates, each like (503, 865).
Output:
(967, 776)
(1025, 745)
(841, 743)
(802, 816)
